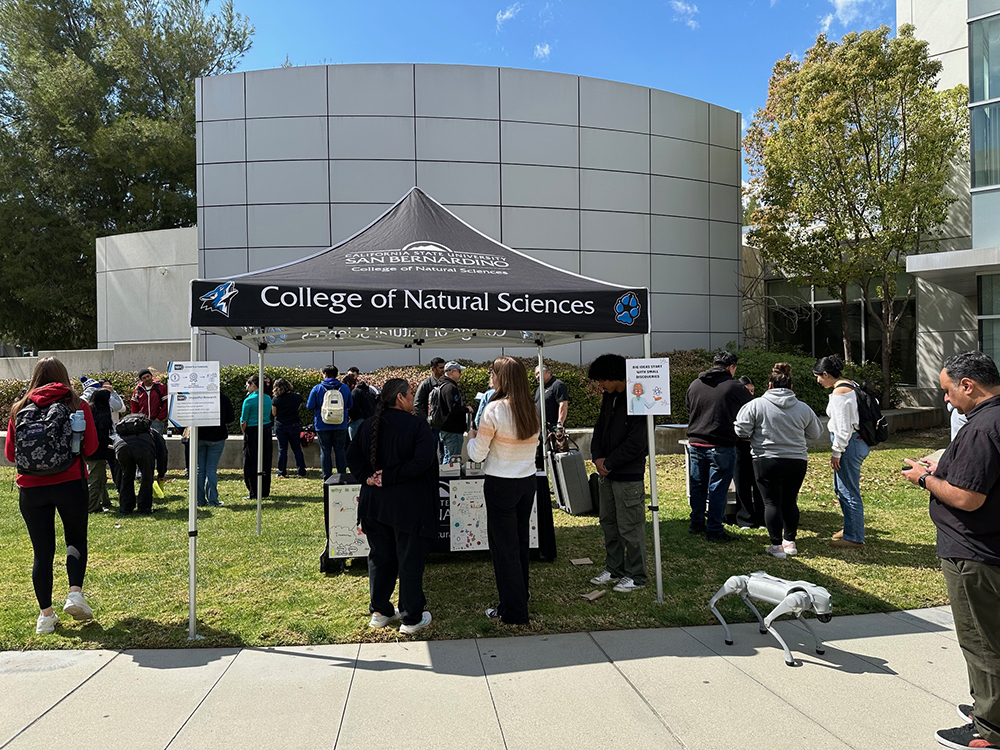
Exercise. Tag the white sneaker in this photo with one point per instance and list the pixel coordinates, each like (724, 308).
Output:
(47, 623)
(425, 621)
(604, 578)
(77, 607)
(789, 547)
(626, 585)
(380, 621)
(776, 550)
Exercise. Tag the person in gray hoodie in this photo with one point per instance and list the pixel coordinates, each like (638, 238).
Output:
(779, 427)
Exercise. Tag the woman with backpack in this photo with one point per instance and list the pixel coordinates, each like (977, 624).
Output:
(287, 426)
(779, 428)
(506, 442)
(849, 450)
(51, 479)
(394, 456)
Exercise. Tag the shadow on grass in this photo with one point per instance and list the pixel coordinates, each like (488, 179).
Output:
(142, 633)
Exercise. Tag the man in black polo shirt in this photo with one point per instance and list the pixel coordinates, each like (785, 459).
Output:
(556, 399)
(965, 507)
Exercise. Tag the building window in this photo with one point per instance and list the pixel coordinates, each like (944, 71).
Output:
(989, 314)
(806, 320)
(984, 59)
(986, 146)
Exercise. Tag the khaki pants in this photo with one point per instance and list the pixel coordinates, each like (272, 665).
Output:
(623, 520)
(974, 590)
(97, 485)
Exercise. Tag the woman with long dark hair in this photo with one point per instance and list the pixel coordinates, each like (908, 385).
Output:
(394, 456)
(42, 492)
(287, 425)
(249, 426)
(505, 441)
(779, 428)
(849, 450)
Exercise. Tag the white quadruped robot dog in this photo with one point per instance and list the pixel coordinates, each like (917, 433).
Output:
(790, 597)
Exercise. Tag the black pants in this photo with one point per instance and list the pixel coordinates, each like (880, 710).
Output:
(749, 503)
(396, 554)
(250, 462)
(508, 516)
(779, 480)
(131, 458)
(974, 591)
(38, 509)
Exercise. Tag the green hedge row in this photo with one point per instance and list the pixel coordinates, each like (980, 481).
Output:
(585, 400)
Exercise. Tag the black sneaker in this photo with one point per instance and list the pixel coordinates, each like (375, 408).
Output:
(696, 528)
(964, 711)
(962, 737)
(720, 537)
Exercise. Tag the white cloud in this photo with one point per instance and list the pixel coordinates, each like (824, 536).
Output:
(506, 15)
(545, 15)
(542, 51)
(685, 13)
(847, 12)
(743, 125)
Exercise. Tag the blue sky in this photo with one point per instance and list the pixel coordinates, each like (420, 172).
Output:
(721, 52)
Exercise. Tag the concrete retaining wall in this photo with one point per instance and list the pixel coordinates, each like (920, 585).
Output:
(124, 357)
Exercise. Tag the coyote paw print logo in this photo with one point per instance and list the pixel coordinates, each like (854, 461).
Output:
(627, 308)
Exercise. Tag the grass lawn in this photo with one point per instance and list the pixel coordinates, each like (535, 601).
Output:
(268, 590)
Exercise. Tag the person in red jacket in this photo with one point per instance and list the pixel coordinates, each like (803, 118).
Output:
(150, 398)
(40, 496)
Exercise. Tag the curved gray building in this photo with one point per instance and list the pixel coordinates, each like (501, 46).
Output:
(614, 181)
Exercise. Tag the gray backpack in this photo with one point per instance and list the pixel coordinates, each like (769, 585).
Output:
(43, 439)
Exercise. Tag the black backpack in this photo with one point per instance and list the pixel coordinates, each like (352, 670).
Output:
(872, 426)
(133, 424)
(43, 439)
(435, 416)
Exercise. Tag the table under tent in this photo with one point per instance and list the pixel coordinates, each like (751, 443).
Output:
(403, 282)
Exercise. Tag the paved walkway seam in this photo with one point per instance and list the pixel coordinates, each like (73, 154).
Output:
(50, 708)
(203, 699)
(637, 692)
(489, 690)
(347, 698)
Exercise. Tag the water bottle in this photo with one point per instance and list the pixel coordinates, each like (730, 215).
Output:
(78, 424)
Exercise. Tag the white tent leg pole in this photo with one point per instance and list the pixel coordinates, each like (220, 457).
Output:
(545, 442)
(653, 494)
(193, 512)
(260, 433)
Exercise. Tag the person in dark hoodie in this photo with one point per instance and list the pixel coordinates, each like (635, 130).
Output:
(394, 457)
(138, 447)
(713, 401)
(779, 427)
(104, 457)
(364, 406)
(619, 447)
(749, 503)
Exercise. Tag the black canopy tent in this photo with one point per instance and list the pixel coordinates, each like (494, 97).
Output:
(416, 276)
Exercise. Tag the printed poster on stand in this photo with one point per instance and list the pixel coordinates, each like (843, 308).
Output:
(647, 384)
(193, 390)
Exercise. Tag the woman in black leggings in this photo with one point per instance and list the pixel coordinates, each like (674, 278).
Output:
(779, 427)
(45, 489)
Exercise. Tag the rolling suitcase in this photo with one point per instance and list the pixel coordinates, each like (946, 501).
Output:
(572, 484)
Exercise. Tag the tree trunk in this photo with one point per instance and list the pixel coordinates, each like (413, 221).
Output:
(888, 327)
(844, 327)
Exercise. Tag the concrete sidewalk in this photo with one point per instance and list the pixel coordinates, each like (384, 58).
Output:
(885, 681)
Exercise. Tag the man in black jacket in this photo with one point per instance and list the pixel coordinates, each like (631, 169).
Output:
(448, 414)
(713, 401)
(619, 447)
(141, 449)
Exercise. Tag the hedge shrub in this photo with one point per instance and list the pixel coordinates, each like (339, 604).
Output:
(585, 400)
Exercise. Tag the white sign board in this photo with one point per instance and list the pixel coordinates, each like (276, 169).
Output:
(346, 537)
(647, 385)
(194, 389)
(468, 517)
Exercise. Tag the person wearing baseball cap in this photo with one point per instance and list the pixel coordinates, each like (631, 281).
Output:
(448, 413)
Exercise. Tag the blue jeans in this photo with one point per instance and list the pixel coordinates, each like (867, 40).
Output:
(289, 434)
(847, 486)
(452, 443)
(711, 472)
(156, 424)
(336, 441)
(353, 427)
(209, 453)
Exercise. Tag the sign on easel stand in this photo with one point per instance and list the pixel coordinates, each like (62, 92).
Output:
(194, 389)
(648, 386)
